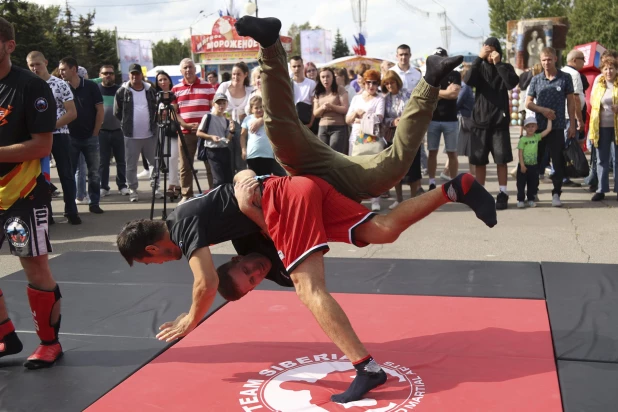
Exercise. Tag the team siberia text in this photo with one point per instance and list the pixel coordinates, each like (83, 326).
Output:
(297, 384)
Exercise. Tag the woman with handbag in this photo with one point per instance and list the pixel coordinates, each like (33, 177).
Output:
(365, 115)
(394, 103)
(604, 122)
(330, 105)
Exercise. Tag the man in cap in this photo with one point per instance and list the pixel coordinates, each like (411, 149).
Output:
(492, 79)
(135, 107)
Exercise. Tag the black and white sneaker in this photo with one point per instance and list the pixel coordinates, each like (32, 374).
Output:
(502, 201)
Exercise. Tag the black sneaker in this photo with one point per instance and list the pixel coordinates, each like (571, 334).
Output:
(593, 189)
(74, 219)
(432, 186)
(95, 209)
(598, 197)
(502, 201)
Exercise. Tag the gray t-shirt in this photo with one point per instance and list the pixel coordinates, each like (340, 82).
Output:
(219, 126)
(110, 122)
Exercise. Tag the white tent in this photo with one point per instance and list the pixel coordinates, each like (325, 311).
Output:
(173, 71)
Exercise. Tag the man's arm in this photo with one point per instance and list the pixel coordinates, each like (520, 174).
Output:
(118, 98)
(99, 120)
(246, 192)
(571, 109)
(508, 75)
(36, 148)
(69, 116)
(181, 120)
(530, 105)
(205, 284)
(472, 77)
(451, 92)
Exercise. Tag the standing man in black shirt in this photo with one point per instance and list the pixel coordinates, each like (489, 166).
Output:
(444, 122)
(85, 129)
(27, 122)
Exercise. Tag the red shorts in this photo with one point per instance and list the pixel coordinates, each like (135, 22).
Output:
(304, 213)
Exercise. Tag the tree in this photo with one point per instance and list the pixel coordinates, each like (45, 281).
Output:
(294, 33)
(501, 11)
(340, 48)
(593, 20)
(170, 52)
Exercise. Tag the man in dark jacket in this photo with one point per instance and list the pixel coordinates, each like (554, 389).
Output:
(492, 79)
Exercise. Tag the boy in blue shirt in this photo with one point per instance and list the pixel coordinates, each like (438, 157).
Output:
(528, 168)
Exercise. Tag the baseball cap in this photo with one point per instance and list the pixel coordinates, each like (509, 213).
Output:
(529, 120)
(135, 68)
(220, 96)
(440, 52)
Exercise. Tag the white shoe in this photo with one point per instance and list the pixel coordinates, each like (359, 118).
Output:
(104, 192)
(133, 196)
(444, 177)
(521, 205)
(531, 203)
(158, 195)
(183, 200)
(144, 173)
(84, 201)
(124, 191)
(555, 200)
(375, 205)
(52, 164)
(394, 205)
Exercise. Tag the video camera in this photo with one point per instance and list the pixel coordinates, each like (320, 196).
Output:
(165, 98)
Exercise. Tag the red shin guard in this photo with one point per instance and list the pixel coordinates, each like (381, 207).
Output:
(41, 305)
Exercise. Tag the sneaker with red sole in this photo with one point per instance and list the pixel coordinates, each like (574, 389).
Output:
(44, 356)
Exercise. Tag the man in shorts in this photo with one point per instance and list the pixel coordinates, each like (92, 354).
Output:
(27, 121)
(492, 79)
(193, 226)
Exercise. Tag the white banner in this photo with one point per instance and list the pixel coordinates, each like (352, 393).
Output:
(316, 46)
(134, 51)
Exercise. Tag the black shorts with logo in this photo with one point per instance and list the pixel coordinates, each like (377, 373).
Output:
(25, 224)
(494, 141)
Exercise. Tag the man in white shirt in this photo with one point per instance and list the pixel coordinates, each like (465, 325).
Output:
(575, 62)
(135, 107)
(304, 90)
(410, 76)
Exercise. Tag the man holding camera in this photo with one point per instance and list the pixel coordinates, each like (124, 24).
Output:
(135, 107)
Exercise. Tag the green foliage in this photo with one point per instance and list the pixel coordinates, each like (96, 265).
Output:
(501, 11)
(593, 20)
(57, 34)
(340, 47)
(170, 52)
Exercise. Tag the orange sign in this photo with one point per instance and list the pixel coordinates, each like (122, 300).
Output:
(225, 43)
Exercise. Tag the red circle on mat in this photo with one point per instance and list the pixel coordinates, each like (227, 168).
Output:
(309, 388)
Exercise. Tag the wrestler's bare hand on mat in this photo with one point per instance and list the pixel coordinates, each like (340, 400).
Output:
(177, 329)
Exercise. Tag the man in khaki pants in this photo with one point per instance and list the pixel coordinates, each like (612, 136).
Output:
(193, 100)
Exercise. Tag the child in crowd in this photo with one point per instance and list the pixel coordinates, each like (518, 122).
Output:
(216, 132)
(528, 168)
(256, 148)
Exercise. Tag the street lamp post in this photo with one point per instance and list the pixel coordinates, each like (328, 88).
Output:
(482, 30)
(445, 24)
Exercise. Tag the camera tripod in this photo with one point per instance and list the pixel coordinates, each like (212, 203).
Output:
(168, 128)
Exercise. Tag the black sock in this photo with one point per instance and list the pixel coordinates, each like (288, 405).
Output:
(264, 31)
(439, 67)
(465, 189)
(9, 343)
(369, 375)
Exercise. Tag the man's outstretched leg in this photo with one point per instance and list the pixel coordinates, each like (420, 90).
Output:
(310, 286)
(9, 342)
(299, 150)
(463, 189)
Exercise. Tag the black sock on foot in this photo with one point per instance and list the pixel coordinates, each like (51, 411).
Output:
(9, 343)
(439, 67)
(264, 31)
(465, 189)
(369, 375)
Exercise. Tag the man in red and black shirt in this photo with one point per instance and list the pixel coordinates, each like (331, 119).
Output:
(193, 100)
(27, 121)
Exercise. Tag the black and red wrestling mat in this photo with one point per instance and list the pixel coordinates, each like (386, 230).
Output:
(451, 335)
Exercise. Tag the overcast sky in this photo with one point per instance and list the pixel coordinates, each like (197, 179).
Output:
(388, 22)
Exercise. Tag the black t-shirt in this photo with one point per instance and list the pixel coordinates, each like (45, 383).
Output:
(27, 106)
(209, 219)
(447, 109)
(258, 243)
(87, 96)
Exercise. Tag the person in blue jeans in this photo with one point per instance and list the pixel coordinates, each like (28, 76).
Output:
(85, 129)
(444, 122)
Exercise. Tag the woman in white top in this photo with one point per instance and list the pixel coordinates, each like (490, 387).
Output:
(604, 123)
(368, 101)
(237, 91)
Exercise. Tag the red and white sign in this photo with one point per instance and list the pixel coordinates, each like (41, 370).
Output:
(224, 41)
